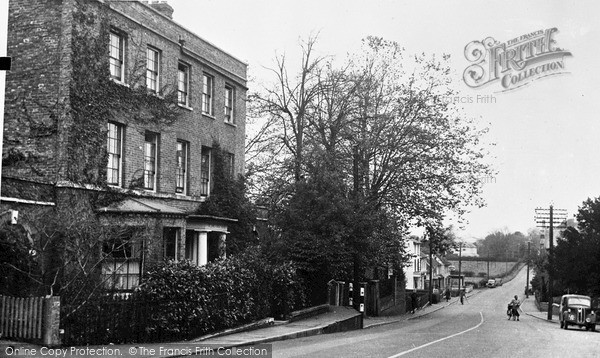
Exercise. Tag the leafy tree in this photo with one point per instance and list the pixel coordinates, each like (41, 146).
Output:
(503, 246)
(371, 145)
(228, 199)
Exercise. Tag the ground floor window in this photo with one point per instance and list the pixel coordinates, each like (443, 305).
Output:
(123, 258)
(170, 243)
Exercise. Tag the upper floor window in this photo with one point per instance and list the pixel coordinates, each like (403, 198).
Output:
(150, 160)
(182, 84)
(152, 67)
(229, 104)
(181, 170)
(115, 154)
(205, 171)
(207, 94)
(116, 57)
(229, 164)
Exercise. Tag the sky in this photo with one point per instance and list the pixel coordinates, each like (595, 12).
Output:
(546, 134)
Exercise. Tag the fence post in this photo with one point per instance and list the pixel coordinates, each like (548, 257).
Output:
(362, 298)
(332, 288)
(51, 321)
(373, 303)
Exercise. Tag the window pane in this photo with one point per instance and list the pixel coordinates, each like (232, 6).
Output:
(181, 169)
(114, 154)
(116, 56)
(170, 238)
(207, 89)
(205, 171)
(150, 161)
(182, 84)
(152, 63)
(229, 104)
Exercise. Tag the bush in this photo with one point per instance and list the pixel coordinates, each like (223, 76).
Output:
(222, 294)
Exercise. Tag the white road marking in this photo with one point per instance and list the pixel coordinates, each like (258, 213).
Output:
(439, 340)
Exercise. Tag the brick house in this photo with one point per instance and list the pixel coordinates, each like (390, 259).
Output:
(149, 139)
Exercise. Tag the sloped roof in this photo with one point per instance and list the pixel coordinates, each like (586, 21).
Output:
(141, 206)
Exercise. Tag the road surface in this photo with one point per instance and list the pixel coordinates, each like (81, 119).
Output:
(479, 328)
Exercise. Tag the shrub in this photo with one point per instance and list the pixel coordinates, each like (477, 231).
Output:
(222, 294)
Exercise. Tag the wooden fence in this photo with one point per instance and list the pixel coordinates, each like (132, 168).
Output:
(31, 318)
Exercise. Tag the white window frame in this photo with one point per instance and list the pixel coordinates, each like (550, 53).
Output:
(153, 69)
(185, 91)
(120, 59)
(150, 161)
(229, 110)
(182, 167)
(205, 171)
(208, 85)
(115, 152)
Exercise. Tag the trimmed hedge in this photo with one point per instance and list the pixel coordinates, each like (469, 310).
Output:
(219, 295)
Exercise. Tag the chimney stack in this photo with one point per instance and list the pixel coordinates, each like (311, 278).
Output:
(161, 6)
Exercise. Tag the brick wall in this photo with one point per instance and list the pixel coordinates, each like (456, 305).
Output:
(39, 42)
(36, 90)
(197, 129)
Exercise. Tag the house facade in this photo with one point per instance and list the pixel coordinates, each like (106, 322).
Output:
(415, 270)
(113, 106)
(466, 249)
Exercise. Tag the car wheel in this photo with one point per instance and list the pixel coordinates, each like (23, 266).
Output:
(593, 328)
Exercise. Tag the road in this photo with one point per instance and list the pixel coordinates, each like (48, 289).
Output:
(479, 328)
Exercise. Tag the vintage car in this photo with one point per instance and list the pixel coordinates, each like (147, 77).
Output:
(491, 283)
(576, 310)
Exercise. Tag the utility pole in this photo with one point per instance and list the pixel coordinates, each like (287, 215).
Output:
(550, 261)
(528, 259)
(459, 267)
(543, 216)
(488, 263)
(430, 271)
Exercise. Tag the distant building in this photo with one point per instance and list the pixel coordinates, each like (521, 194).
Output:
(415, 270)
(467, 249)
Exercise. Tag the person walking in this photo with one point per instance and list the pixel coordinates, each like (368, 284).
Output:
(515, 304)
(413, 300)
(447, 294)
(463, 296)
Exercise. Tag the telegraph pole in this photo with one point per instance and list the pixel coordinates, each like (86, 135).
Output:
(528, 259)
(459, 267)
(488, 263)
(547, 215)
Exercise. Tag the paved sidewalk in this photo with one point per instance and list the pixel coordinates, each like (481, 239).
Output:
(529, 308)
(337, 319)
(370, 322)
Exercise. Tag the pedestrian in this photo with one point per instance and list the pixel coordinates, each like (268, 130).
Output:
(413, 300)
(515, 304)
(463, 296)
(447, 294)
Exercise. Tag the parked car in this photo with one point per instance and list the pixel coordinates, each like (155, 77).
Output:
(491, 283)
(576, 310)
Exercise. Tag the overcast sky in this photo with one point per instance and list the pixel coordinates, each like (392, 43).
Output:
(547, 133)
